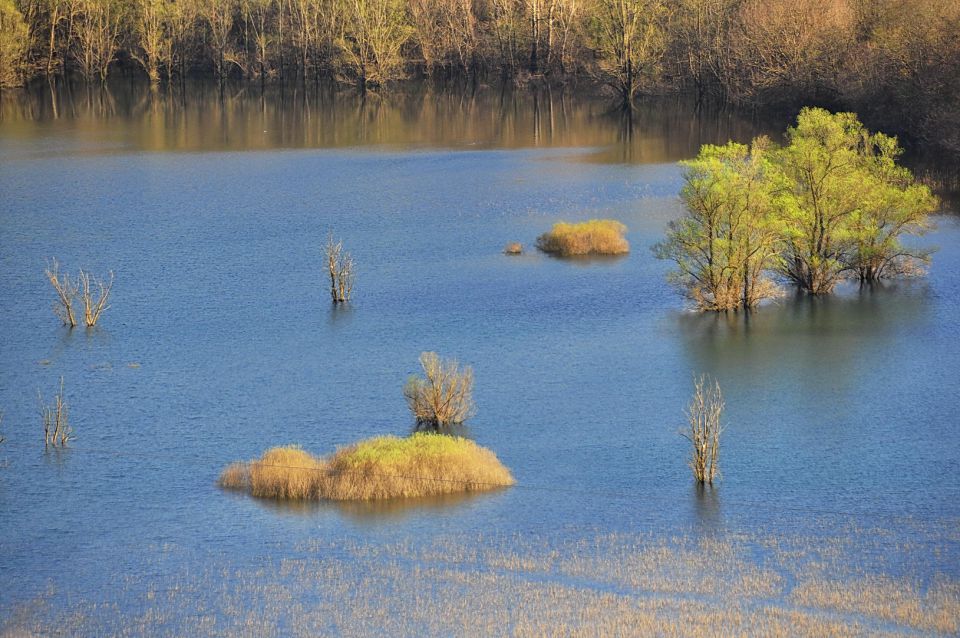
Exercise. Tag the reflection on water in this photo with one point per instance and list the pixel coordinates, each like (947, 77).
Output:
(811, 336)
(387, 511)
(202, 118)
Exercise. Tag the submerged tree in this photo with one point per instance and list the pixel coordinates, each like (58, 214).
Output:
(728, 239)
(443, 396)
(704, 429)
(340, 268)
(830, 205)
(847, 204)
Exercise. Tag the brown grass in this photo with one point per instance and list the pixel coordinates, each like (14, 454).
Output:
(593, 237)
(524, 585)
(423, 464)
(385, 467)
(287, 473)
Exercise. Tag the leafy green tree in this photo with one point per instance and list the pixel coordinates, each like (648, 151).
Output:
(847, 203)
(730, 236)
(14, 41)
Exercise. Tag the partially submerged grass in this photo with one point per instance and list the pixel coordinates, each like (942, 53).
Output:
(282, 472)
(527, 584)
(593, 237)
(424, 464)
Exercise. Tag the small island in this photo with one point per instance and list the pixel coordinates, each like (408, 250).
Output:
(384, 467)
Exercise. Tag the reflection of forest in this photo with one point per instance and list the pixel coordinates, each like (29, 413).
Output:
(204, 118)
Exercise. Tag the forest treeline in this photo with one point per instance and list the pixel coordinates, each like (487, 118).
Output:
(897, 62)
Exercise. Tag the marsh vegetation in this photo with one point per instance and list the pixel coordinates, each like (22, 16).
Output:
(591, 237)
(386, 467)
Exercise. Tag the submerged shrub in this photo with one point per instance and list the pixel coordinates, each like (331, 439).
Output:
(513, 248)
(420, 465)
(384, 467)
(443, 396)
(704, 429)
(593, 237)
(56, 427)
(92, 292)
(340, 268)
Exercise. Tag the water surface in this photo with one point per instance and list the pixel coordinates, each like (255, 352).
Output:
(221, 341)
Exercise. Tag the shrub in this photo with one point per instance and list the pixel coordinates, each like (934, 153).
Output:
(444, 396)
(593, 237)
(384, 467)
(704, 429)
(340, 267)
(94, 294)
(513, 248)
(56, 428)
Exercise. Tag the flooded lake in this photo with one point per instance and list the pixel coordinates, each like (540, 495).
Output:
(213, 211)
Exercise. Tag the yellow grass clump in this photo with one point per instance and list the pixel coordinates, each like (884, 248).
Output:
(282, 472)
(593, 237)
(423, 464)
(385, 467)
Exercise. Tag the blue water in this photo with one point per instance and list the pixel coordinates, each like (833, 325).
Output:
(221, 341)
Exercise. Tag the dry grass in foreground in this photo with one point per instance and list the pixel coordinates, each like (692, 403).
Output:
(608, 584)
(593, 237)
(424, 464)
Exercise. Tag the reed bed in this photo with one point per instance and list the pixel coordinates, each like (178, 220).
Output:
(525, 585)
(423, 464)
(386, 467)
(593, 237)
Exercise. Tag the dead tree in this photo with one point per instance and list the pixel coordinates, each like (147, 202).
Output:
(340, 265)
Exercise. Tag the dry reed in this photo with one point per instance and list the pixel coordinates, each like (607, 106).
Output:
(423, 464)
(703, 417)
(340, 267)
(285, 473)
(593, 237)
(443, 396)
(56, 428)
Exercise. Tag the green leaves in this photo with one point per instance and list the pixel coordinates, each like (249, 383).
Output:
(831, 204)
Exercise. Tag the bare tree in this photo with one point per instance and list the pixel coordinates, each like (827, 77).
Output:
(93, 308)
(56, 429)
(443, 396)
(704, 429)
(98, 36)
(340, 266)
(66, 292)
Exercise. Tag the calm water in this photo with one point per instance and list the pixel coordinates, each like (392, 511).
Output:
(221, 342)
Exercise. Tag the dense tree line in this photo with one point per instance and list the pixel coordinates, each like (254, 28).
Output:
(897, 59)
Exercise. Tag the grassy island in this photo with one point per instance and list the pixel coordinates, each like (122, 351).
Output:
(592, 237)
(423, 464)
